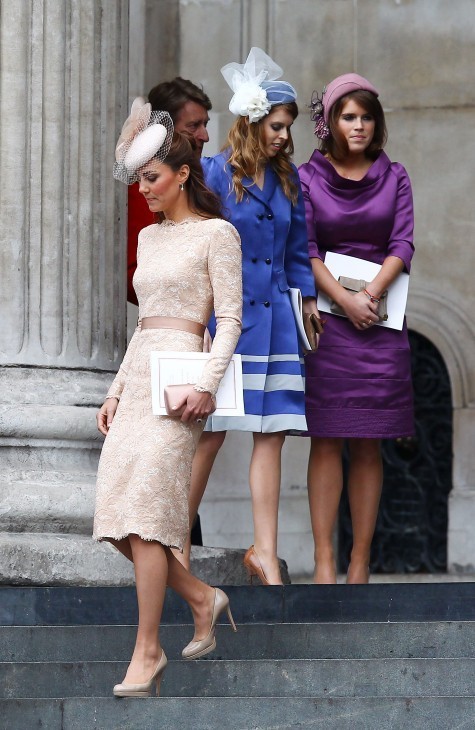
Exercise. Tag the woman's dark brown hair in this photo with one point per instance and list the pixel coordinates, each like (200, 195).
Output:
(336, 146)
(202, 200)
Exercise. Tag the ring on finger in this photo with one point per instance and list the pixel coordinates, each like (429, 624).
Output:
(199, 420)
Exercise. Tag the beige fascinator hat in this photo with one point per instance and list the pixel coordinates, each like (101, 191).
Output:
(146, 135)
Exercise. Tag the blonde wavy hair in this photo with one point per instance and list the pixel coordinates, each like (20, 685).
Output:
(247, 154)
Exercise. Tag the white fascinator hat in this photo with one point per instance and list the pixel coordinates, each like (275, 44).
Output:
(146, 135)
(256, 86)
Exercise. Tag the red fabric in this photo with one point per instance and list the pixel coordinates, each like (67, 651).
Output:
(139, 217)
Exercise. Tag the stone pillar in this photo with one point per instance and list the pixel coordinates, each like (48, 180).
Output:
(63, 86)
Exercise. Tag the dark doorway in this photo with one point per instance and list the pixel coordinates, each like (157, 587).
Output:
(411, 533)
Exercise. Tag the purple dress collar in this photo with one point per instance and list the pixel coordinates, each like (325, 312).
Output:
(326, 169)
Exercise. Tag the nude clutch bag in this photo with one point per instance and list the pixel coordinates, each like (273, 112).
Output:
(175, 397)
(354, 286)
(308, 325)
(313, 326)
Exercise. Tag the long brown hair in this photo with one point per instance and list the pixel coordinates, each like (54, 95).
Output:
(247, 153)
(337, 147)
(202, 200)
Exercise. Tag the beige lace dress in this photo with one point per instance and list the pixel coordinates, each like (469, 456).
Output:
(183, 270)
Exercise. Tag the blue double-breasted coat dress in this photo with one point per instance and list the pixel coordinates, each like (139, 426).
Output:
(274, 258)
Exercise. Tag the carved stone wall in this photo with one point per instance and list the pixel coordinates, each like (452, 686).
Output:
(63, 85)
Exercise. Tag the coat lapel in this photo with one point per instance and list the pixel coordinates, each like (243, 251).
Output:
(270, 184)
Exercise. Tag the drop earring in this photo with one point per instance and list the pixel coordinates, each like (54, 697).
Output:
(182, 186)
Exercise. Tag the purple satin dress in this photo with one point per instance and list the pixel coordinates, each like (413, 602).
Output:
(358, 384)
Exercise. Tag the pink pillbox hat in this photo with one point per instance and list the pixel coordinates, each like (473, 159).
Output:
(341, 86)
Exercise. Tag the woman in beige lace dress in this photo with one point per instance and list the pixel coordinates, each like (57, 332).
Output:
(189, 262)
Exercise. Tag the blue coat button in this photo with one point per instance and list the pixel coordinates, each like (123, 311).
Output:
(269, 216)
(268, 261)
(252, 302)
(266, 304)
(260, 216)
(254, 260)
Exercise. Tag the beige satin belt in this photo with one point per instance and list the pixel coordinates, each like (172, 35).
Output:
(173, 323)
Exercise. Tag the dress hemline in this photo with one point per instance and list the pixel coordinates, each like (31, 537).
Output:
(107, 538)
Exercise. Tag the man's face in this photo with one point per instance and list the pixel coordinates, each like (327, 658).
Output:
(193, 119)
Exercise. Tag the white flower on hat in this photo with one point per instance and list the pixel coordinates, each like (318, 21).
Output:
(250, 100)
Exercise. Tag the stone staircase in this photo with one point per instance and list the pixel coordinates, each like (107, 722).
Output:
(328, 657)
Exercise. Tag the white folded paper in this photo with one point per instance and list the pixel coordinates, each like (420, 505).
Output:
(177, 368)
(342, 265)
(297, 308)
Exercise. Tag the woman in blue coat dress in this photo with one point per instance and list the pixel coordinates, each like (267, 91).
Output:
(261, 196)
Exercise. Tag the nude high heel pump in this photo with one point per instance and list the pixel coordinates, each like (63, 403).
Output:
(196, 649)
(144, 689)
(253, 566)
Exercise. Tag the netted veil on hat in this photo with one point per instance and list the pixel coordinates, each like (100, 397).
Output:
(146, 135)
(256, 86)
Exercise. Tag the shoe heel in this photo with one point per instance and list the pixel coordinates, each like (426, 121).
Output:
(250, 575)
(158, 678)
(230, 617)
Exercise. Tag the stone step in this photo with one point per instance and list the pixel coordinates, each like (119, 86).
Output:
(63, 605)
(72, 560)
(238, 713)
(251, 678)
(253, 641)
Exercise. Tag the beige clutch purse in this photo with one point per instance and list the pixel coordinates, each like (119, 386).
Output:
(313, 326)
(354, 286)
(175, 397)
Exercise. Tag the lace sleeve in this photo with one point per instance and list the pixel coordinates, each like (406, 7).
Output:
(225, 272)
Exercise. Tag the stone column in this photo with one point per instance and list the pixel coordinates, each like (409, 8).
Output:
(63, 85)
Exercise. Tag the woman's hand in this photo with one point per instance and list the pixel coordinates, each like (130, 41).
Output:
(309, 306)
(361, 312)
(198, 407)
(105, 415)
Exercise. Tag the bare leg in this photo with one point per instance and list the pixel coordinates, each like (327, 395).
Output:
(364, 491)
(123, 546)
(325, 484)
(198, 595)
(203, 460)
(264, 481)
(151, 569)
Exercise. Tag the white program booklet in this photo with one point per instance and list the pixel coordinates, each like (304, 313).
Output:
(176, 368)
(296, 302)
(342, 265)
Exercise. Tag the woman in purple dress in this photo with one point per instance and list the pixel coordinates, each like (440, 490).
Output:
(358, 384)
